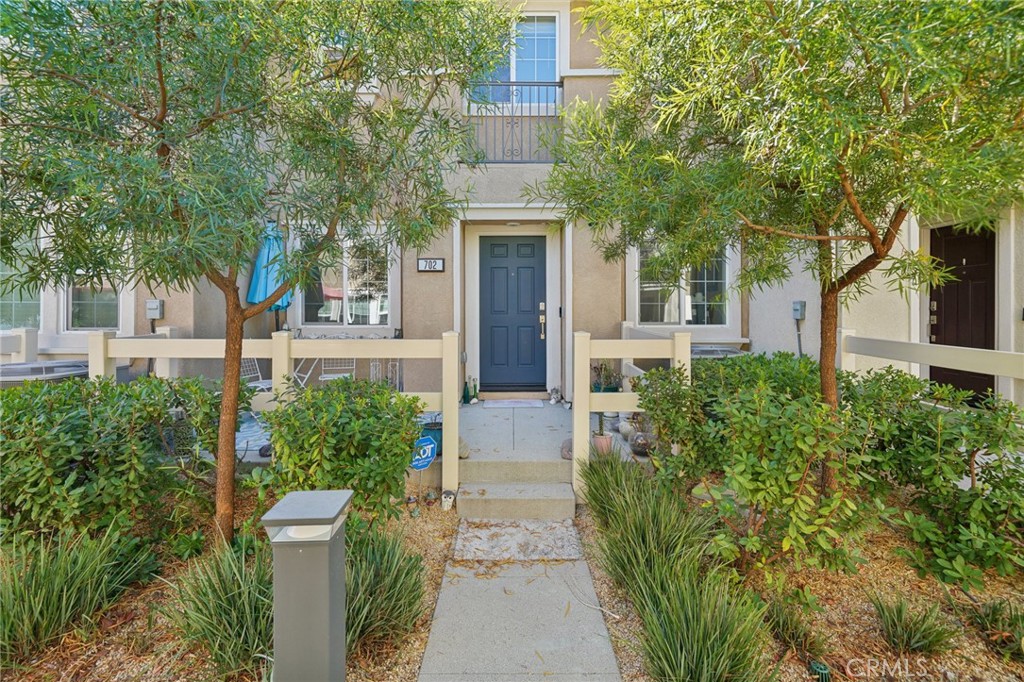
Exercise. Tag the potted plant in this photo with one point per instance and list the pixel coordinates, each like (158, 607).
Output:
(601, 440)
(606, 379)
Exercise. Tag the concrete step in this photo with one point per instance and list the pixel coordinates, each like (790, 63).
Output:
(547, 470)
(552, 501)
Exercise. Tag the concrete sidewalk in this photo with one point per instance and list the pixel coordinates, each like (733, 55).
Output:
(518, 603)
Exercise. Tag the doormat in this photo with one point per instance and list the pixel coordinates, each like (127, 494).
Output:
(495, 404)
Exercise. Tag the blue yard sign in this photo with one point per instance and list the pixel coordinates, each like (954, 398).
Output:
(424, 454)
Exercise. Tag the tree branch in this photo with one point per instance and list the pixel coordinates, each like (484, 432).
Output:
(858, 212)
(775, 231)
(161, 114)
(93, 90)
(67, 129)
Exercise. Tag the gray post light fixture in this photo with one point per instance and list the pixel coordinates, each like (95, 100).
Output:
(307, 534)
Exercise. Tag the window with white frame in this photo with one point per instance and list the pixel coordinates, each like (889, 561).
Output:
(528, 75)
(701, 298)
(356, 291)
(93, 307)
(18, 307)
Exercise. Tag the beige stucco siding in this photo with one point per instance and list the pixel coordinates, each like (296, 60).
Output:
(598, 303)
(427, 308)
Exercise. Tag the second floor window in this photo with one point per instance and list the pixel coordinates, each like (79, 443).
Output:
(353, 292)
(533, 60)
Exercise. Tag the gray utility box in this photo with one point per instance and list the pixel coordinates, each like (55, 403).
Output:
(307, 534)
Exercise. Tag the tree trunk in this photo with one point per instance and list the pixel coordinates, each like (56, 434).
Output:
(224, 518)
(827, 368)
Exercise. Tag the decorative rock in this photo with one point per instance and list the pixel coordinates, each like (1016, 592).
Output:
(463, 449)
(267, 450)
(567, 448)
(626, 429)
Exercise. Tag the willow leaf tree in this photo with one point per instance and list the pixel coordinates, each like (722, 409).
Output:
(802, 133)
(153, 141)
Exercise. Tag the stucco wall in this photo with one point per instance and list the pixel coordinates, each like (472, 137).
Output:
(598, 303)
(583, 53)
(772, 328)
(427, 309)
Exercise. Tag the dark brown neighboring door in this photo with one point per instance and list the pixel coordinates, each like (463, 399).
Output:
(963, 312)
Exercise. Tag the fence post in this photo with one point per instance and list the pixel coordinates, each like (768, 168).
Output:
(281, 363)
(580, 407)
(167, 368)
(845, 361)
(307, 536)
(681, 352)
(450, 410)
(29, 349)
(100, 364)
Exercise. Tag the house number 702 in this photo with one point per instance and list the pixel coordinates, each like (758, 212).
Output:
(430, 264)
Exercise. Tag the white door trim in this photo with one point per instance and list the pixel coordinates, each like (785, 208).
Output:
(470, 274)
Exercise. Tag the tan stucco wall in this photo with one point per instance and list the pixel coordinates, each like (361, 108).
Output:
(583, 53)
(772, 328)
(598, 303)
(427, 309)
(585, 88)
(498, 183)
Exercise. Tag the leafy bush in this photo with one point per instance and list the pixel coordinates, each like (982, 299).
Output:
(1002, 625)
(908, 631)
(345, 434)
(223, 605)
(78, 453)
(768, 500)
(49, 585)
(384, 586)
(785, 373)
(675, 407)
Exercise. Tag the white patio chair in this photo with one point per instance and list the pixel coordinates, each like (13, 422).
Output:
(252, 375)
(337, 368)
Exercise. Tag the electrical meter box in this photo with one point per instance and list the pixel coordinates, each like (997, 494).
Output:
(799, 310)
(154, 309)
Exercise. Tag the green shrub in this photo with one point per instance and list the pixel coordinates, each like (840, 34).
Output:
(78, 453)
(790, 626)
(345, 434)
(223, 605)
(652, 527)
(608, 480)
(676, 409)
(785, 373)
(700, 627)
(384, 586)
(49, 585)
(909, 631)
(769, 501)
(1002, 625)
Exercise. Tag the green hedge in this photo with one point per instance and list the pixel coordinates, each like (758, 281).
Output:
(351, 434)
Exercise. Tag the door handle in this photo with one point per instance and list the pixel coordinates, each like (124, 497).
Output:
(543, 320)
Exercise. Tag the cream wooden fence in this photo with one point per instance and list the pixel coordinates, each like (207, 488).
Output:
(20, 345)
(676, 349)
(282, 350)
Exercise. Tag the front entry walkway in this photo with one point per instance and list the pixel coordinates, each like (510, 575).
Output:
(518, 603)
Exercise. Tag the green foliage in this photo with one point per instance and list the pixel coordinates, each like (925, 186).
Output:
(702, 628)
(608, 482)
(769, 498)
(79, 453)
(909, 631)
(1002, 626)
(353, 434)
(384, 587)
(784, 373)
(698, 625)
(187, 545)
(733, 127)
(675, 407)
(49, 585)
(791, 627)
(223, 605)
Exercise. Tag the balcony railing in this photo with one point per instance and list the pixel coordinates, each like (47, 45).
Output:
(515, 122)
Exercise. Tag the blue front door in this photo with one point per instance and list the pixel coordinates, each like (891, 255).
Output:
(512, 345)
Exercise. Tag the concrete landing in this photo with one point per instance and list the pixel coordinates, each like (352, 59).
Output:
(499, 618)
(515, 433)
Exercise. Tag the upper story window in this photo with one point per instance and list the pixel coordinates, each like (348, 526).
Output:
(358, 291)
(17, 308)
(93, 308)
(526, 77)
(701, 298)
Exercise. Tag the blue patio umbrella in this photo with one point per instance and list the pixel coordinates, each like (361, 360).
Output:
(266, 273)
